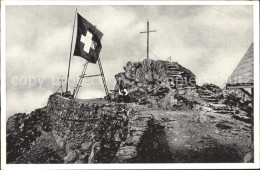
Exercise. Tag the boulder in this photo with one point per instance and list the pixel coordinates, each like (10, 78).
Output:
(71, 157)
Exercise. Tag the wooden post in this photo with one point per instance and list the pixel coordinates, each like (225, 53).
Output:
(61, 80)
(68, 75)
(104, 81)
(147, 39)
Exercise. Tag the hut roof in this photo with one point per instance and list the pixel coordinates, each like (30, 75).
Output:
(243, 75)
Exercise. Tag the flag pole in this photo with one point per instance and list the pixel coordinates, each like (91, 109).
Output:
(70, 51)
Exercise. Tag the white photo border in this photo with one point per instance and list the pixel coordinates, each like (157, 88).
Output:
(256, 163)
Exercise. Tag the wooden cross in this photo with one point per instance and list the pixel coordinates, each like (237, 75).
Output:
(148, 31)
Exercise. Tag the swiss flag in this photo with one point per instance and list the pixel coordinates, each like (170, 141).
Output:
(88, 42)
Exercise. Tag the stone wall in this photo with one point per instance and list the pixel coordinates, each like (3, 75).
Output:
(138, 145)
(98, 133)
(86, 130)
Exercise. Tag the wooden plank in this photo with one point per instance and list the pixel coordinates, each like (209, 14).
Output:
(95, 75)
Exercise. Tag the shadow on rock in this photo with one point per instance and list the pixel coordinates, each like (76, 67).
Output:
(160, 152)
(216, 153)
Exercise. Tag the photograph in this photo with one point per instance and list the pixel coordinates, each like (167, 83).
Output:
(156, 83)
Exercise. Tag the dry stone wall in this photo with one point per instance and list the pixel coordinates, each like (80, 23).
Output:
(83, 129)
(96, 133)
(138, 145)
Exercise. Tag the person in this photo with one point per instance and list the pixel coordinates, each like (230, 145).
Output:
(123, 94)
(67, 95)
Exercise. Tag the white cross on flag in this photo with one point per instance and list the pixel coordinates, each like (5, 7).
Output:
(88, 43)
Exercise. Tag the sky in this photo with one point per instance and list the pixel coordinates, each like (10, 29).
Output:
(208, 40)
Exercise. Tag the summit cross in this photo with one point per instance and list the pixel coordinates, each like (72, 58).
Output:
(147, 32)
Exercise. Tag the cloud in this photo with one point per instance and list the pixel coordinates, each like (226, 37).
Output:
(25, 102)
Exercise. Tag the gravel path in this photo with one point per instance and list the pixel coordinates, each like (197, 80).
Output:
(197, 136)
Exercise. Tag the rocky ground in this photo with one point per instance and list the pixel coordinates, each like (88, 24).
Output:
(188, 136)
(30, 139)
(180, 136)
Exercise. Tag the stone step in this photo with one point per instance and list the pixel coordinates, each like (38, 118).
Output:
(204, 90)
(207, 96)
(204, 94)
(174, 69)
(190, 87)
(175, 75)
(201, 91)
(219, 106)
(224, 111)
(174, 72)
(210, 100)
(243, 118)
(181, 86)
(171, 65)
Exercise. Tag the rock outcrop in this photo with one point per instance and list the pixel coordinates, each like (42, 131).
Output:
(149, 73)
(170, 86)
(150, 81)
